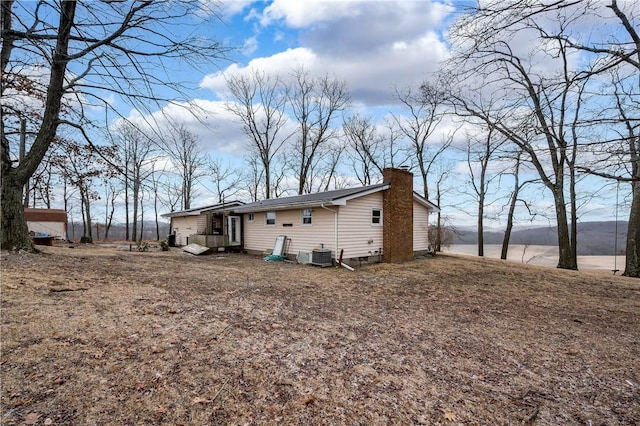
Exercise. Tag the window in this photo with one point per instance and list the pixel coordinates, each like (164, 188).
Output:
(251, 217)
(307, 216)
(270, 218)
(376, 217)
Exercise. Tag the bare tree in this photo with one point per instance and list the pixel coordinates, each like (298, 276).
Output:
(133, 161)
(315, 103)
(424, 112)
(259, 102)
(80, 165)
(111, 193)
(156, 177)
(226, 179)
(253, 178)
(172, 194)
(182, 148)
(322, 173)
(525, 96)
(91, 38)
(440, 231)
(480, 153)
(619, 55)
(365, 146)
(514, 198)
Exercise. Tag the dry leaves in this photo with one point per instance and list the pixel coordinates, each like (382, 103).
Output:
(444, 340)
(32, 418)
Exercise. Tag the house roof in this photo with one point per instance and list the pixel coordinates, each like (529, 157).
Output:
(333, 198)
(337, 197)
(428, 204)
(198, 210)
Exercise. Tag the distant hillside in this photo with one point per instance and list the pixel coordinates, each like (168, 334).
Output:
(594, 238)
(117, 231)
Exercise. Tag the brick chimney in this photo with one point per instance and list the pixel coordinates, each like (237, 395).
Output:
(397, 215)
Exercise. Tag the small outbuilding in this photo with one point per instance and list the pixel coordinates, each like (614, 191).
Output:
(46, 224)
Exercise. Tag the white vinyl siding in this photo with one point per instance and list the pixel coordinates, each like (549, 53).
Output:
(201, 225)
(357, 237)
(185, 226)
(420, 227)
(259, 237)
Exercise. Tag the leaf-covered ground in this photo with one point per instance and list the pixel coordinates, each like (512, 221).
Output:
(93, 335)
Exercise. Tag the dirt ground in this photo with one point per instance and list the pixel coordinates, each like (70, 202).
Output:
(95, 335)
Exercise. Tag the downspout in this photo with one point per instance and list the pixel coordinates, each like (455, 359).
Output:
(335, 229)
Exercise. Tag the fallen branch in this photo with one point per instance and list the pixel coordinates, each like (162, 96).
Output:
(63, 289)
(222, 332)
(221, 389)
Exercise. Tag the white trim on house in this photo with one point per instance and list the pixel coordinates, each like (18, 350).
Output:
(343, 201)
(267, 218)
(428, 204)
(379, 216)
(308, 216)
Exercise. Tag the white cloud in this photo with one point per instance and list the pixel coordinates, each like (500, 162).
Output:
(371, 76)
(250, 45)
(373, 46)
(280, 63)
(299, 14)
(216, 128)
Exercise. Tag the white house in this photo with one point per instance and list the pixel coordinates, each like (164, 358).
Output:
(383, 222)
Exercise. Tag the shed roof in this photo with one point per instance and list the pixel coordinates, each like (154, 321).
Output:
(45, 215)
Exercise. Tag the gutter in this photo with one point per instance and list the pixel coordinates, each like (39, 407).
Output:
(335, 228)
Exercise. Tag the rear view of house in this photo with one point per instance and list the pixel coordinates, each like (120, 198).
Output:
(384, 222)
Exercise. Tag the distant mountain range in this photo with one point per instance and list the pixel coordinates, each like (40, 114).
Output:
(117, 231)
(594, 238)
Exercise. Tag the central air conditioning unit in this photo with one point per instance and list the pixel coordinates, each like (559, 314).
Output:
(321, 257)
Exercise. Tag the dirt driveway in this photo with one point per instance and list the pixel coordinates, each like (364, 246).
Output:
(98, 336)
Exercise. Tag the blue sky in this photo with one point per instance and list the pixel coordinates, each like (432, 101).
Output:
(374, 46)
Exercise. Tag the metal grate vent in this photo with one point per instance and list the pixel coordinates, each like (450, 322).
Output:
(321, 257)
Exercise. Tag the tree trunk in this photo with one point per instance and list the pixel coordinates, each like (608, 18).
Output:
(566, 251)
(126, 209)
(481, 218)
(87, 207)
(136, 202)
(438, 245)
(632, 262)
(15, 234)
(141, 221)
(155, 211)
(512, 209)
(509, 227)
